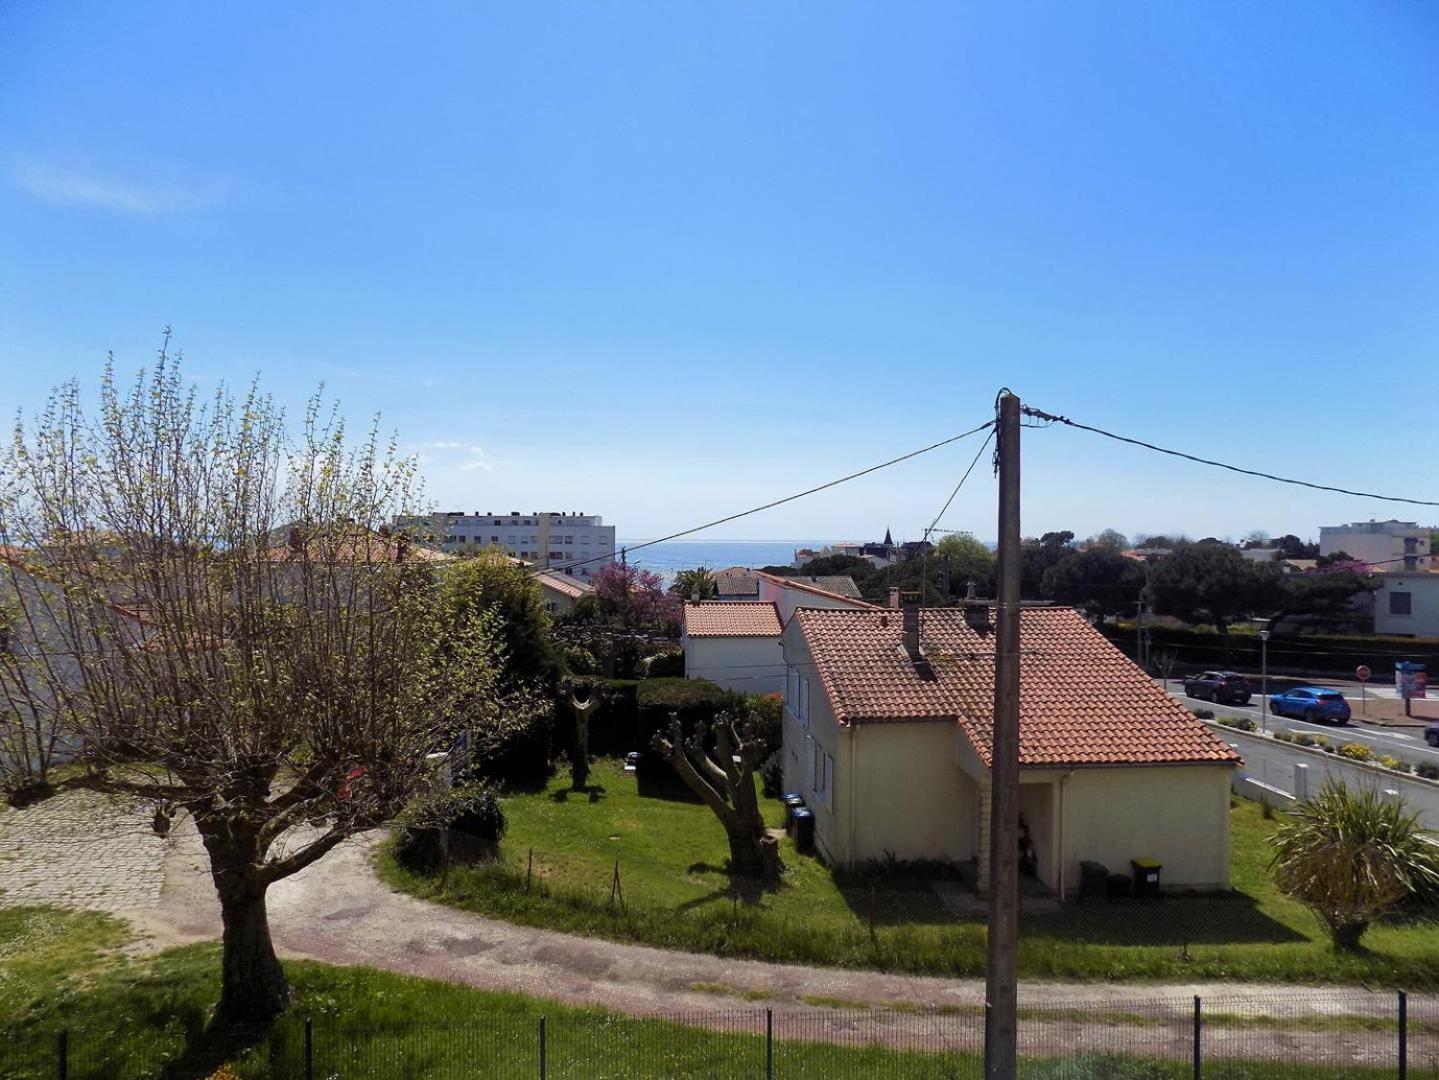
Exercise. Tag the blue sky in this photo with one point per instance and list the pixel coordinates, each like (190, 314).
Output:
(663, 262)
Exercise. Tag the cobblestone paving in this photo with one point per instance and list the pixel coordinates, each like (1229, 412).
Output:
(83, 850)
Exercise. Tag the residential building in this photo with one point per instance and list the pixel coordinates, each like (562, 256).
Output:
(887, 733)
(736, 583)
(734, 644)
(1389, 546)
(561, 591)
(1407, 604)
(576, 544)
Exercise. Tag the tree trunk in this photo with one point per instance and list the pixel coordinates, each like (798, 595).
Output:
(753, 858)
(253, 988)
(1346, 934)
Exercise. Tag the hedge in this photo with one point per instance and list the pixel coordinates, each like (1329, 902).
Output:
(1298, 654)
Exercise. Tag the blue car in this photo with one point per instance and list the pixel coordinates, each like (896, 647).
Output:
(1312, 703)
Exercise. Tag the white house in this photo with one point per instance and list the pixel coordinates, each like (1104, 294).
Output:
(887, 729)
(734, 644)
(1407, 604)
(560, 590)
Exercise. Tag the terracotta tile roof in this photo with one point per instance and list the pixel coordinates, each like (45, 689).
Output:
(562, 583)
(800, 585)
(353, 544)
(838, 584)
(737, 581)
(732, 618)
(1082, 701)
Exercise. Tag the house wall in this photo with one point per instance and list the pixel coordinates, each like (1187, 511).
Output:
(751, 665)
(786, 599)
(556, 602)
(1423, 617)
(1176, 814)
(909, 797)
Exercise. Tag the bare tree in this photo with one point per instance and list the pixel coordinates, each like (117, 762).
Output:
(1164, 661)
(724, 779)
(219, 620)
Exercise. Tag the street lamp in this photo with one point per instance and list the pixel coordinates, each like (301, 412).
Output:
(1264, 680)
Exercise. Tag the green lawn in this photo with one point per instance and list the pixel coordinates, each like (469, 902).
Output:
(137, 1019)
(671, 854)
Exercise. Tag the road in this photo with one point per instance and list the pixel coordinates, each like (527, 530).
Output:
(1406, 744)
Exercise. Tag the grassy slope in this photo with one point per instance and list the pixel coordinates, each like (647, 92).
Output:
(670, 854)
(129, 1018)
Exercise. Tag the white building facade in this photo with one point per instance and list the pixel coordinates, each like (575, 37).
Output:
(576, 544)
(1407, 604)
(1389, 546)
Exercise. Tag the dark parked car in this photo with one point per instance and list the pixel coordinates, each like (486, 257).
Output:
(1225, 687)
(1312, 703)
(1431, 734)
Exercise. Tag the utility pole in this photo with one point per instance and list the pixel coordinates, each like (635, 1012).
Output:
(1001, 1037)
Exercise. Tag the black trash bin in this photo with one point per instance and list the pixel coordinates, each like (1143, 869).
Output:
(1092, 878)
(792, 800)
(804, 830)
(1146, 877)
(1117, 886)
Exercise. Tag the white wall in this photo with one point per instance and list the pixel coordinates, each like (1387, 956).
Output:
(1423, 590)
(751, 665)
(909, 796)
(1177, 814)
(787, 598)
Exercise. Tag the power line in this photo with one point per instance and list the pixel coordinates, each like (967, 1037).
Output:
(1051, 418)
(791, 498)
(962, 479)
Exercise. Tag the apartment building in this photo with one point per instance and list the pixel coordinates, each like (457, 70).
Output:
(576, 544)
(1389, 546)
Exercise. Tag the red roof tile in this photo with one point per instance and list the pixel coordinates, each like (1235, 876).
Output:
(562, 583)
(741, 618)
(1082, 701)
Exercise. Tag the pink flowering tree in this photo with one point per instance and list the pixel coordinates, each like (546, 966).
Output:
(637, 597)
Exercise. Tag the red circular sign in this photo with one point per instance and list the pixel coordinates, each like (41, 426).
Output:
(1362, 673)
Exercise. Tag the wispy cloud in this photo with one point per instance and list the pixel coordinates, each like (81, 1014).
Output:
(478, 461)
(70, 187)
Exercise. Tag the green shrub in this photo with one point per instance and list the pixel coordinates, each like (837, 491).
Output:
(1239, 723)
(666, 665)
(1303, 738)
(1427, 770)
(771, 775)
(1203, 714)
(1284, 736)
(462, 824)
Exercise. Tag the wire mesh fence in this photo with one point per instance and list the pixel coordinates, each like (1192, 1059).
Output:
(1325, 1035)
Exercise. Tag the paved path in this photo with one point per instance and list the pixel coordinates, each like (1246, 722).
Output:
(83, 850)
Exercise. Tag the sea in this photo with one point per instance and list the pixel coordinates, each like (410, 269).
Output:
(672, 556)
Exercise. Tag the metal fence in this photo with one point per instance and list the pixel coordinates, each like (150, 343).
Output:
(1325, 1034)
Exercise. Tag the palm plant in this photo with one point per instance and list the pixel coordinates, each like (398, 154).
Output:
(699, 582)
(1351, 857)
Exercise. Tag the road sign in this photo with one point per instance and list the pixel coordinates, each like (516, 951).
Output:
(1362, 673)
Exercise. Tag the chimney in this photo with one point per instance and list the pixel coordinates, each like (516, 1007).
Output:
(894, 599)
(909, 609)
(976, 611)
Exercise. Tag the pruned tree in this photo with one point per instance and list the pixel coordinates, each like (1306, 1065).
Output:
(723, 778)
(581, 707)
(1213, 581)
(221, 623)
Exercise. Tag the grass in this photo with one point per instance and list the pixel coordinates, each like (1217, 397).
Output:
(130, 1018)
(675, 895)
